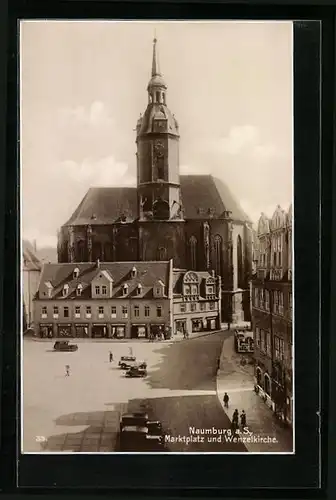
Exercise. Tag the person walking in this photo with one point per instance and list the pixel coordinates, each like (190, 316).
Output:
(235, 418)
(243, 419)
(111, 356)
(67, 370)
(226, 400)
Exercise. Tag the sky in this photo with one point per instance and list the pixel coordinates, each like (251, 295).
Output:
(83, 87)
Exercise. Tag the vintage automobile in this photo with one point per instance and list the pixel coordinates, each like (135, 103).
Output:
(127, 362)
(136, 372)
(154, 437)
(244, 342)
(64, 345)
(133, 438)
(138, 419)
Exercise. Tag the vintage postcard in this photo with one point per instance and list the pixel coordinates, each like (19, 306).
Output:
(157, 242)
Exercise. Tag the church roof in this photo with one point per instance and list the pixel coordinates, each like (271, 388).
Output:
(202, 195)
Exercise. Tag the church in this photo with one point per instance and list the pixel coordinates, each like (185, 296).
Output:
(193, 219)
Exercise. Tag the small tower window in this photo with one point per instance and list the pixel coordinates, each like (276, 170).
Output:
(164, 97)
(157, 96)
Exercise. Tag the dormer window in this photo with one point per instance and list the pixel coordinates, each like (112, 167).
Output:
(133, 272)
(139, 289)
(125, 289)
(65, 290)
(76, 273)
(79, 290)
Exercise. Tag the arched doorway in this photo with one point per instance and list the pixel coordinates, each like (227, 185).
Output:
(259, 376)
(240, 269)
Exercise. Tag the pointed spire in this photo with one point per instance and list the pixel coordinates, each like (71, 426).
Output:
(155, 65)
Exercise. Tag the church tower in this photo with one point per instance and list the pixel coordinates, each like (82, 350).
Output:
(160, 211)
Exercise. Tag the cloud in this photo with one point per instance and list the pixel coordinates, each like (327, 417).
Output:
(95, 115)
(96, 173)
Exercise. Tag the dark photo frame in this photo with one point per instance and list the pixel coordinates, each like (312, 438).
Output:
(197, 474)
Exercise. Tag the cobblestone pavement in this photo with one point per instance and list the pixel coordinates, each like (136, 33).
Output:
(238, 382)
(81, 413)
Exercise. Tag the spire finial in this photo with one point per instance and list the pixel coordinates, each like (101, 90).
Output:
(155, 66)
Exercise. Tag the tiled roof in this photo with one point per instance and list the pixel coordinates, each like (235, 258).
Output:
(147, 275)
(106, 205)
(30, 260)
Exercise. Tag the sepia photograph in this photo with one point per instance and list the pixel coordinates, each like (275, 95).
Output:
(156, 162)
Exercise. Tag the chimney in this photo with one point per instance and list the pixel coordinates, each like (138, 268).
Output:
(98, 263)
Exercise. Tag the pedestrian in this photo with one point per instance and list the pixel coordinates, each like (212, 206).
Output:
(243, 419)
(111, 356)
(226, 400)
(67, 370)
(235, 418)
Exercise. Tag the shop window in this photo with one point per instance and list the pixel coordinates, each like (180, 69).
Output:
(159, 311)
(147, 311)
(113, 312)
(66, 312)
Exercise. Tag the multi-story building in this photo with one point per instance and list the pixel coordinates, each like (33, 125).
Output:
(197, 301)
(119, 299)
(272, 313)
(193, 219)
(31, 272)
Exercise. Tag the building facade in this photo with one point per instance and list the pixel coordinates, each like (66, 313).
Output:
(31, 272)
(117, 300)
(272, 313)
(193, 219)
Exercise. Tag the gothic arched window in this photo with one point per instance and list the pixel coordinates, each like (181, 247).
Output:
(218, 255)
(240, 262)
(96, 251)
(162, 253)
(108, 257)
(80, 251)
(193, 252)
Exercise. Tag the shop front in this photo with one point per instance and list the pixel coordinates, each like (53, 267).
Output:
(196, 325)
(82, 331)
(157, 331)
(180, 326)
(211, 323)
(46, 331)
(117, 331)
(64, 330)
(99, 331)
(139, 331)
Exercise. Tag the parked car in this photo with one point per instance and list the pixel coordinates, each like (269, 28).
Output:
(154, 437)
(133, 438)
(127, 362)
(136, 372)
(138, 419)
(64, 345)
